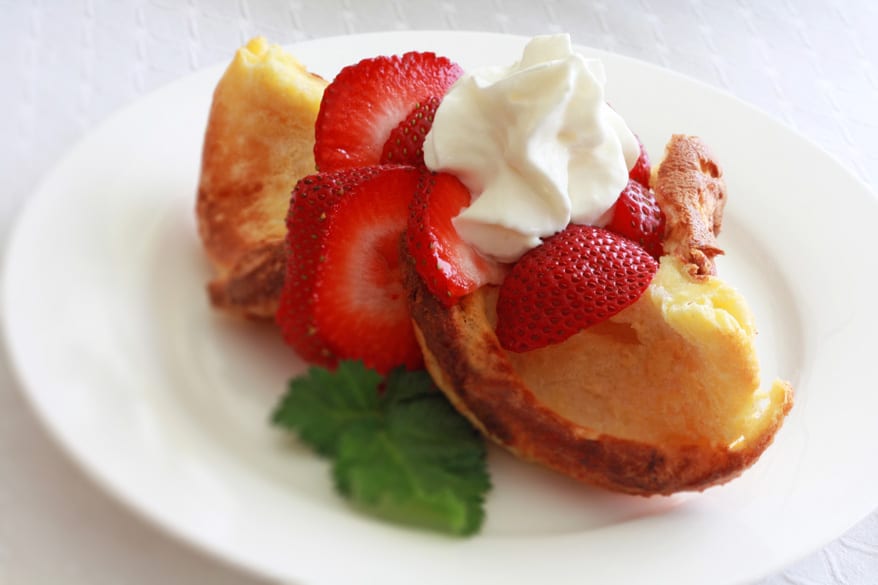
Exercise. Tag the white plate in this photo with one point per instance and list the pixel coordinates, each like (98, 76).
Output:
(165, 402)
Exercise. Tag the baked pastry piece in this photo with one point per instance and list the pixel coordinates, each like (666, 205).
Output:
(259, 142)
(690, 190)
(664, 396)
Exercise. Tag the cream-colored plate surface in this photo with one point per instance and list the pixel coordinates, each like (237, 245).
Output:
(165, 402)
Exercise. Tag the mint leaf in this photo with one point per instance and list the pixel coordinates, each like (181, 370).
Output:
(404, 385)
(403, 454)
(320, 405)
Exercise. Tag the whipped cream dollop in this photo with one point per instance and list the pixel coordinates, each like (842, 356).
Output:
(537, 146)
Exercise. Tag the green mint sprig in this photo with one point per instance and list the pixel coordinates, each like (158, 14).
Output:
(400, 452)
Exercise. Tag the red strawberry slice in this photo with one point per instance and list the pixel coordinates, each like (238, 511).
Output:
(641, 170)
(450, 267)
(575, 279)
(343, 296)
(637, 216)
(366, 101)
(406, 143)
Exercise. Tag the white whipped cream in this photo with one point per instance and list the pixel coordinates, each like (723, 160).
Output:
(535, 143)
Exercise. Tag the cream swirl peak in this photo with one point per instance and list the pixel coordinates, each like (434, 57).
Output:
(535, 143)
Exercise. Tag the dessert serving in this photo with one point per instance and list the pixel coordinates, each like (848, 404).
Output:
(504, 230)
(660, 397)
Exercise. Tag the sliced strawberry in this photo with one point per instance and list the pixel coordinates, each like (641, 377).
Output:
(343, 296)
(406, 143)
(641, 170)
(637, 216)
(450, 267)
(575, 279)
(366, 101)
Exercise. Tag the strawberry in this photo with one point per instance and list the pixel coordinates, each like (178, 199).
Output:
(405, 145)
(366, 101)
(575, 279)
(641, 170)
(450, 267)
(637, 216)
(343, 295)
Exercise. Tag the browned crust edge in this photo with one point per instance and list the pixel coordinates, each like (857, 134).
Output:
(252, 287)
(690, 190)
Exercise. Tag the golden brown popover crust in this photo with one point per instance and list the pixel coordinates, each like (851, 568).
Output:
(259, 141)
(467, 362)
(690, 190)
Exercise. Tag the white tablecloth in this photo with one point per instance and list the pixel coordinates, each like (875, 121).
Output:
(64, 65)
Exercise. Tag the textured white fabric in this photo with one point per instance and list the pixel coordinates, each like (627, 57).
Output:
(65, 65)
